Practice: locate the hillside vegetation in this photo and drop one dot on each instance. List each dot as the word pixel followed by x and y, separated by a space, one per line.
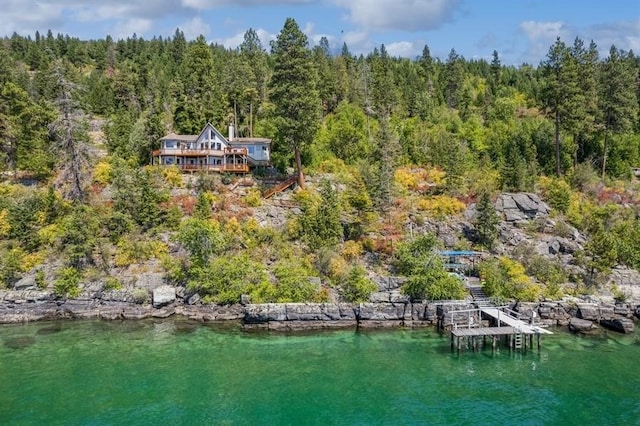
pixel 402 157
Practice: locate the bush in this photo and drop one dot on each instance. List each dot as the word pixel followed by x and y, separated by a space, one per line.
pixel 506 279
pixel 557 193
pixel 112 283
pixel 357 287
pixel 441 206
pixel 293 283
pixel 351 250
pixel 412 256
pixel 67 283
pixel 102 173
pixel 227 278
pixel 253 198
pixel 434 283
pixel 140 296
pixel 41 280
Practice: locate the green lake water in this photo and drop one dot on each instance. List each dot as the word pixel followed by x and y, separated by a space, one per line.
pixel 179 373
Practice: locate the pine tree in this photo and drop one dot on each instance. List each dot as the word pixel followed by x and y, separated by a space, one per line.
pixel 486 221
pixel 562 94
pixel 454 79
pixel 199 101
pixel 618 103
pixel 293 92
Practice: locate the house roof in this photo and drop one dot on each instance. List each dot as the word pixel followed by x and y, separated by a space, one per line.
pixel 236 141
pixel 239 141
pixel 182 138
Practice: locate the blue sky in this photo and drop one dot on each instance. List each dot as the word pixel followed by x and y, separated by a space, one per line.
pixel 520 30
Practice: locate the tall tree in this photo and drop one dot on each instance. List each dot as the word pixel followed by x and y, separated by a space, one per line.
pixel 454 79
pixel 584 123
pixel 198 100
pixel 618 103
pixel 293 92
pixel 561 94
pixel 70 133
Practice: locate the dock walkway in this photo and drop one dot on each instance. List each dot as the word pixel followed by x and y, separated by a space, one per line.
pixel 517 324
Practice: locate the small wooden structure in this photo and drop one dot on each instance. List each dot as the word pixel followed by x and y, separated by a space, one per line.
pixel 291 180
pixel 504 324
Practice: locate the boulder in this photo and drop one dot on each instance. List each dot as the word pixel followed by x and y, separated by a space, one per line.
pixel 578 325
pixel 588 312
pixel 622 325
pixel 163 295
pixel 28 282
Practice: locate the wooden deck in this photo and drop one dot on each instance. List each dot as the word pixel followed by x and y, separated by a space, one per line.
pixel 467 328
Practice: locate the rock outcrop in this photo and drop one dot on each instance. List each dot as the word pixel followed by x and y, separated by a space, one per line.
pixel 163 295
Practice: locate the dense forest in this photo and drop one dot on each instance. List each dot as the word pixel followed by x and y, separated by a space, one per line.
pixel 395 140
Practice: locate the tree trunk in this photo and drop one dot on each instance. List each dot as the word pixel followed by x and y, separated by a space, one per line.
pixel 299 167
pixel 557 142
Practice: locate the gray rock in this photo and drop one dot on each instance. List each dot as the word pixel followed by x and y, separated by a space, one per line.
pixel 622 325
pixel 151 280
pixel 554 246
pixel 194 299
pixel 28 282
pixel 588 312
pixel 526 203
pixel 578 325
pixel 163 295
pixel 513 215
pixel 379 297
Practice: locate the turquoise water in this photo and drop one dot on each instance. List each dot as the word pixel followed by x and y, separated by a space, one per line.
pixel 175 372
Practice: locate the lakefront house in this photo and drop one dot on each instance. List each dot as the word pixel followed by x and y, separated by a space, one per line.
pixel 211 151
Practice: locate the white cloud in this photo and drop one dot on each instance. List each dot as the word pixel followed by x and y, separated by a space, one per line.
pixel 127 28
pixel 28 16
pixel 404 49
pixel 540 36
pixel 195 27
pixel 547 31
pixel 623 34
pixel 405 15
pixel 237 39
pixel 211 4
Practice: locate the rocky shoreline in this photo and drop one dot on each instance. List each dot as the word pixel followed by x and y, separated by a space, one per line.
pixel 31 305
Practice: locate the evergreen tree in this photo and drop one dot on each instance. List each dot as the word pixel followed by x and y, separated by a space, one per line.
pixel 198 100
pixel 486 220
pixel 617 101
pixel 293 92
pixel 70 131
pixel 454 75
pixel 562 93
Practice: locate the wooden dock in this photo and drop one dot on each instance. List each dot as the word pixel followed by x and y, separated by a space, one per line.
pixel 504 325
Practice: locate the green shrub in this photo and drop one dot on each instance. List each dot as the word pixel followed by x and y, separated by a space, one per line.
pixel 112 283
pixel 67 283
pixel 357 287
pixel 507 279
pixel 227 278
pixel 140 296
pixel 293 283
pixel 557 193
pixel 40 279
pixel 253 198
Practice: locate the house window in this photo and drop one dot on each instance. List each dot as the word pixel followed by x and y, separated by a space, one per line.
pixel 251 149
pixel 170 144
pixel 168 160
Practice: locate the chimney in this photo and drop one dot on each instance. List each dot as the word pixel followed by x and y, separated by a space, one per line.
pixel 231 135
